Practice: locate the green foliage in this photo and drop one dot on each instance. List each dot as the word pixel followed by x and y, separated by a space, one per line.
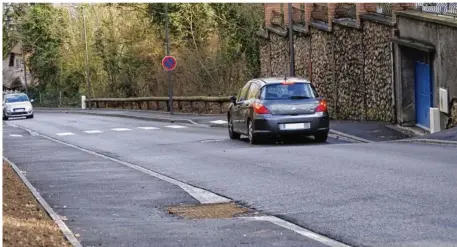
pixel 215 45
pixel 39 35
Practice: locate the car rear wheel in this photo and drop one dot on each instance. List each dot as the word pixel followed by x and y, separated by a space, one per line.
pixel 253 139
pixel 321 136
pixel 232 134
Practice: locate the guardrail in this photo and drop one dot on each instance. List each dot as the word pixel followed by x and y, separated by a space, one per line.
pixel 147 103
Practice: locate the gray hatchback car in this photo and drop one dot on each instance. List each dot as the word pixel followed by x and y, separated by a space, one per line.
pixel 274 107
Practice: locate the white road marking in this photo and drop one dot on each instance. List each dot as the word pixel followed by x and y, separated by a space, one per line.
pixel 121 129
pixel 176 126
pixel 15 135
pixel 93 131
pixel 148 128
pixel 65 134
pixel 219 122
pixel 298 229
pixel 205 196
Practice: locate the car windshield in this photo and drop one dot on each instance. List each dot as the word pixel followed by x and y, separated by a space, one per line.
pixel 288 91
pixel 16 98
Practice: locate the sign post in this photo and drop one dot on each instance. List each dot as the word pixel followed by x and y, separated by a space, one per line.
pixel 169 64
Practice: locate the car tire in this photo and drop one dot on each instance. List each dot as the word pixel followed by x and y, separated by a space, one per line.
pixel 232 134
pixel 321 136
pixel 31 116
pixel 5 118
pixel 253 139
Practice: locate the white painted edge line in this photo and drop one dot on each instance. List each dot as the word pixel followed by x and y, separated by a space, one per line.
pixel 120 129
pixel 148 128
pixel 349 136
pixel 203 196
pixel 63 227
pixel 15 135
pixel 298 229
pixel 176 126
pixel 93 131
pixel 65 134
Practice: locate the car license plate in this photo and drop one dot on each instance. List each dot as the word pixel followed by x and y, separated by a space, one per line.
pixel 296 126
pixel 19 109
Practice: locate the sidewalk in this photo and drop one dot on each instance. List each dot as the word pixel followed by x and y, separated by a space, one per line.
pixel 355 130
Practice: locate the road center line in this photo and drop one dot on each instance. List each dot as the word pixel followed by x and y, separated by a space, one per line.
pixel 219 122
pixel 120 129
pixel 148 128
pixel 176 126
pixel 93 131
pixel 65 134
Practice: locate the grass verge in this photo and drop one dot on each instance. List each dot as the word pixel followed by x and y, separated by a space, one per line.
pixel 25 222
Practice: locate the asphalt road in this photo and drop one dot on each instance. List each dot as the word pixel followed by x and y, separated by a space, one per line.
pixel 376 194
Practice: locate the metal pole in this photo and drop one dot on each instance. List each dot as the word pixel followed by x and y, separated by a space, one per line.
pixel 87 62
pixel 25 70
pixel 170 85
pixel 291 42
pixel 25 76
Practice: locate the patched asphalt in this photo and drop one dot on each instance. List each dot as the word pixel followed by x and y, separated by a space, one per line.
pixel 374 194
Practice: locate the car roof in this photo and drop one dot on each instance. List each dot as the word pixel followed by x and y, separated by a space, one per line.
pixel 275 80
pixel 15 94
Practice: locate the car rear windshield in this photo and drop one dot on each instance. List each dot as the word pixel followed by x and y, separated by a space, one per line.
pixel 288 91
pixel 16 98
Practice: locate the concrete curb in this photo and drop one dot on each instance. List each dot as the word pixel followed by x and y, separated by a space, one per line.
pixel 63 227
pixel 406 130
pixel 348 136
pixel 430 141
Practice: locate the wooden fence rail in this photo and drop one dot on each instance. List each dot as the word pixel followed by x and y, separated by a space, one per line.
pixel 145 102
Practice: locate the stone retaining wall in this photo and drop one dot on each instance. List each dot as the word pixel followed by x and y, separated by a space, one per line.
pixel 350 67
pixel 452 114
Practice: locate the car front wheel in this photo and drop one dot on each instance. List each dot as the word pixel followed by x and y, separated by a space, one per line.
pixel 253 139
pixel 232 134
pixel 31 116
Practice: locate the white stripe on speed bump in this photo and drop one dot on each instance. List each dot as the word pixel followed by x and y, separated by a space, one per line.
pixel 176 126
pixel 65 134
pixel 14 135
pixel 148 128
pixel 93 131
pixel 121 129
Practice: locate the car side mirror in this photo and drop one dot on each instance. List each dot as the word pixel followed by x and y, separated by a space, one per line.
pixel 31 101
pixel 233 99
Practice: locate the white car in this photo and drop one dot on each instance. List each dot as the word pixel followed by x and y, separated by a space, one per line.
pixel 17 105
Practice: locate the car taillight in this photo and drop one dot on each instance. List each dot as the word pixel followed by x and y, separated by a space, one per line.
pixel 322 107
pixel 260 109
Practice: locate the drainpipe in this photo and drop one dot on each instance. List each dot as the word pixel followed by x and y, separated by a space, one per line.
pixel 291 42
pixel 394 93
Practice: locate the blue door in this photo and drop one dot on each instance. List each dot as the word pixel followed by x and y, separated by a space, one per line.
pixel 423 93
